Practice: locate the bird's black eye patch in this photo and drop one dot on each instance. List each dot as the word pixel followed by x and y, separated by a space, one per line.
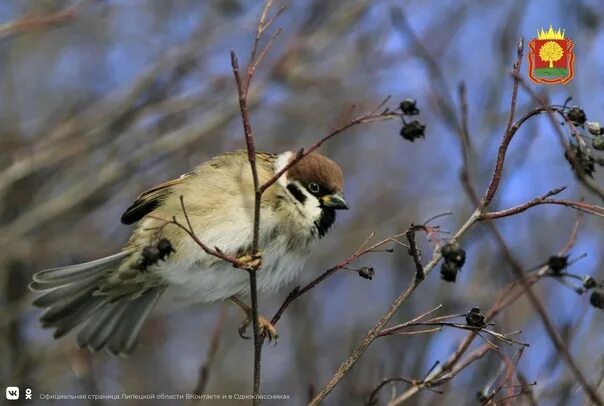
pixel 296 192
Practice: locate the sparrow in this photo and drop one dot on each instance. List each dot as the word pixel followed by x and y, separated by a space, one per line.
pixel 109 299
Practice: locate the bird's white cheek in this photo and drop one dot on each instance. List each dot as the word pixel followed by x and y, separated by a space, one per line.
pixel 312 207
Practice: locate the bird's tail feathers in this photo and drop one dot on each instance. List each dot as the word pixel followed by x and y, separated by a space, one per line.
pixel 107 322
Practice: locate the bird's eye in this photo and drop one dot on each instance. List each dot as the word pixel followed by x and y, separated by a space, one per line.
pixel 313 187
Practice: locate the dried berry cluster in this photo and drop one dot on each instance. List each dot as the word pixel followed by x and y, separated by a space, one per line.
pixel 411 130
pixel 557 265
pixel 596 299
pixel 583 155
pixel 154 253
pixel 454 259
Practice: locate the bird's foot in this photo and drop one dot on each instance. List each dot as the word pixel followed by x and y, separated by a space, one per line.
pixel 252 260
pixel 267 330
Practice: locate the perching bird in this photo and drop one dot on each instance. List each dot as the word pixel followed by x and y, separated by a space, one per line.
pixel 109 299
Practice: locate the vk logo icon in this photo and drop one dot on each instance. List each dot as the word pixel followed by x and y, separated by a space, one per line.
pixel 12 393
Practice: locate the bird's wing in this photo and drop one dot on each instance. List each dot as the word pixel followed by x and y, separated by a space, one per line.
pixel 150 200
pixel 226 164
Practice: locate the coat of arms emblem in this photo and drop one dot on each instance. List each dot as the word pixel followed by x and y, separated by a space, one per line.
pixel 551 57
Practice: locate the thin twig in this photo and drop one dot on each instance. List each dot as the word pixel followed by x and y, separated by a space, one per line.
pixel 369 117
pixel 430 382
pixel 508 133
pixel 216 252
pixel 204 371
pixel 437 323
pixel 372 397
pixel 511 368
pixel 297 292
pixel 475 355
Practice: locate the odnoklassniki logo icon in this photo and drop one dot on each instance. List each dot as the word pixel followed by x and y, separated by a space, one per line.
pixel 551 58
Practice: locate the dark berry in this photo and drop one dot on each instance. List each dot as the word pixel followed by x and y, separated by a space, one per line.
pixel 557 263
pixel 448 271
pixel 409 107
pixel 576 115
pixel 413 130
pixel 597 299
pixel 366 272
pixel 474 318
pixel 452 252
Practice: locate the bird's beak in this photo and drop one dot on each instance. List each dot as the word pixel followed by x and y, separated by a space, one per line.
pixel 335 201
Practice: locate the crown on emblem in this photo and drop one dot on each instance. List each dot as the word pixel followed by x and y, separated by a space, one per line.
pixel 550 34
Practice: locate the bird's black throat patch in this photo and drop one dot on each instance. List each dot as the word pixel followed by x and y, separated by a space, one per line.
pixel 327 217
pixel 325 221
pixel 296 192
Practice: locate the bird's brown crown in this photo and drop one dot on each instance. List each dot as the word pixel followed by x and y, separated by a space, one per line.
pixel 317 168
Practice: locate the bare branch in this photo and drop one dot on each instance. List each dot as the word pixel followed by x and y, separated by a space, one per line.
pixel 508 133
pixel 242 90
pixel 39 22
pixel 579 206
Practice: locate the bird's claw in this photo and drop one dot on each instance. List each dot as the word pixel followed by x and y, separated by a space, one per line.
pixel 253 261
pixel 267 330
